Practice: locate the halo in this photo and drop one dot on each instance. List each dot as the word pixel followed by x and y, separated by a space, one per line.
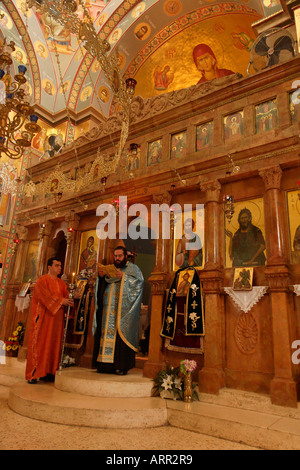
pixel 253 207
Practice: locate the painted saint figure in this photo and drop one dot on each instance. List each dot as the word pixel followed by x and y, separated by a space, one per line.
pixel 162 77
pixel 247 245
pixel 206 62
pixel 296 243
pixel 184 286
pixel 88 257
pixel 189 247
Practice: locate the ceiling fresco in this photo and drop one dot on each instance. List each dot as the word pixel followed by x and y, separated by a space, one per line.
pixel 155 40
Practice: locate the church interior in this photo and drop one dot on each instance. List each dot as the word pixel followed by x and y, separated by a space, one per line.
pixel 141 112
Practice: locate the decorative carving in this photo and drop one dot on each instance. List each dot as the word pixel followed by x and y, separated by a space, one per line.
pixel 278 278
pixel 72 219
pixel 212 281
pixel 271 177
pixel 246 333
pixel 146 108
pixel 22 232
pixel 212 190
pixel 159 283
pixel 163 198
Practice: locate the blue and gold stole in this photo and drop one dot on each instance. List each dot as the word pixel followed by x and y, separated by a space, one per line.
pixel 194 313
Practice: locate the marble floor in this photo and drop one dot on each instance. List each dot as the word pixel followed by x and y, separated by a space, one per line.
pixel 21 433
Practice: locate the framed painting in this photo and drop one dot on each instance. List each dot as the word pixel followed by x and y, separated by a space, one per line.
pixel 32 259
pixel 184 282
pixel 234 126
pixel 294 99
pixel 245 235
pixel 24 289
pixel 133 160
pixel 154 153
pixel 178 145
pixel 243 279
pixel 188 239
pixel 266 117
pixel 88 251
pixel 204 135
pixel 293 203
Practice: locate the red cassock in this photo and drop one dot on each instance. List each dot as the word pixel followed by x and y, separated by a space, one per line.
pixel 46 328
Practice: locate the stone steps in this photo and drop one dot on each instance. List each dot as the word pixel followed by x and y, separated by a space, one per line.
pixel 46 403
pixel 82 397
pixel 89 382
pixel 254 428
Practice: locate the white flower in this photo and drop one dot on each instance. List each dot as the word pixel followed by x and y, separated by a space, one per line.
pixel 167 383
pixel 178 383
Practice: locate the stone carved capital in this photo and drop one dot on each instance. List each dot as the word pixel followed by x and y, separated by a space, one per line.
pixel 212 280
pixel 212 189
pixel 162 198
pixel 22 232
pixel 278 277
pixel 72 219
pixel 271 177
pixel 159 283
pixel 45 229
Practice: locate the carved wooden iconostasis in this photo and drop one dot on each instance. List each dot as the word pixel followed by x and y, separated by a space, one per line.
pixel 191 136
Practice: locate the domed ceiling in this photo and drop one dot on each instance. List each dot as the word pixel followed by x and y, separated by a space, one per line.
pixel 155 39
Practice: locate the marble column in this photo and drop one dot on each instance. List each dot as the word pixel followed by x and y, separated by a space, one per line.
pixel 159 282
pixel 212 375
pixel 284 388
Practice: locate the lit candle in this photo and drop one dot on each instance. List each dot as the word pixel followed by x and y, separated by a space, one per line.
pixel 73 278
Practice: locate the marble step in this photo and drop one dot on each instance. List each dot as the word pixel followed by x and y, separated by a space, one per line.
pixel 11 372
pixel 89 382
pixel 45 402
pixel 265 430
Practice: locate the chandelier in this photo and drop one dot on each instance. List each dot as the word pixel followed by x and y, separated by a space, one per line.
pixel 64 13
pixel 17 119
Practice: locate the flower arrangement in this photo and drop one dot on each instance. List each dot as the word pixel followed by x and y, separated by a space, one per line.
pixel 187 366
pixel 68 361
pixel 16 340
pixel 169 383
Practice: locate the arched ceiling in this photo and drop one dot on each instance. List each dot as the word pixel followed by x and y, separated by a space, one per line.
pixel 155 39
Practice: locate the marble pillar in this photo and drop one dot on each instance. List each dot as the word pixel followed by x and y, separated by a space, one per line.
pixel 158 280
pixel 212 375
pixel 284 388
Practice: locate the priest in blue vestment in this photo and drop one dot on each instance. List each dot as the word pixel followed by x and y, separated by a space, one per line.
pixel 117 314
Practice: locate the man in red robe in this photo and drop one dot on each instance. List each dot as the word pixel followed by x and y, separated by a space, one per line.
pixel 50 296
pixel 205 61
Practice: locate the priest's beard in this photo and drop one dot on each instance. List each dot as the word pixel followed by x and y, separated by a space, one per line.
pixel 120 264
